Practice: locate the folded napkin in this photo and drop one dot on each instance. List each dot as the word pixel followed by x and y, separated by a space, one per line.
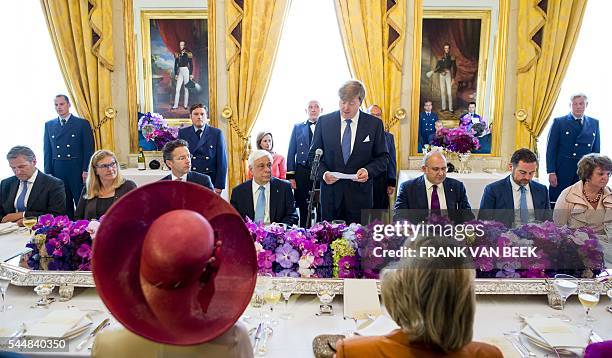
pixel 60 324
pixel 379 327
pixel 503 344
pixel 553 332
pixel 6 228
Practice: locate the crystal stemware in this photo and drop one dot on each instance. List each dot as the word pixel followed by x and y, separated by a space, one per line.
pixel 588 294
pixel 287 285
pixel 5 280
pixel 29 222
pixel 44 290
pixel 326 293
pixel 565 285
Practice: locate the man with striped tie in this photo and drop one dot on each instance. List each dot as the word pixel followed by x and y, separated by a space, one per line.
pixel 264 198
pixel 29 192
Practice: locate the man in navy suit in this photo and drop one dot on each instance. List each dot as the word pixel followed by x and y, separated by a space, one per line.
pixel 178 159
pixel 68 147
pixel 570 138
pixel 298 171
pixel 427 124
pixel 432 193
pixel 353 142
pixel 385 183
pixel 207 147
pixel 29 192
pixel 516 198
pixel 264 198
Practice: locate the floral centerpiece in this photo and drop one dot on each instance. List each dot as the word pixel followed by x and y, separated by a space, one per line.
pixel 460 141
pixel 154 128
pixel 61 244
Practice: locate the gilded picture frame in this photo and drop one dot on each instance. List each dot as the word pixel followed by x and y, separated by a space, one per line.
pixel 479 79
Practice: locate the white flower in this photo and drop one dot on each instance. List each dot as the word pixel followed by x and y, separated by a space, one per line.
pixel 92 228
pixel 580 237
pixel 258 247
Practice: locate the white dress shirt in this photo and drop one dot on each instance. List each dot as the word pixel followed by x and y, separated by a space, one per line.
pixel 516 196
pixel 354 122
pixel 429 190
pixel 66 119
pixel 256 196
pixel 20 189
pixel 183 178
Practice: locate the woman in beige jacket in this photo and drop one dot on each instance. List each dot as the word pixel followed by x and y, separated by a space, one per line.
pixel 589 201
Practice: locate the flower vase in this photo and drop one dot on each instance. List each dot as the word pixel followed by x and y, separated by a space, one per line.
pixel 463 163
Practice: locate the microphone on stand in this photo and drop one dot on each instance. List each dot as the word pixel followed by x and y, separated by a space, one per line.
pixel 315 164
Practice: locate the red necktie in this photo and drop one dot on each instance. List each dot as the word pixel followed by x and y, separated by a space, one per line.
pixel 435 201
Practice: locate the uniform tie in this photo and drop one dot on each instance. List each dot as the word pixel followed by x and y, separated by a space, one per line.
pixel 435 201
pixel 21 199
pixel 346 141
pixel 199 133
pixel 523 205
pixel 63 121
pixel 260 208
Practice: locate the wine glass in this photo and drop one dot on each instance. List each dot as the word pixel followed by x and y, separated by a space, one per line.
pixel 287 285
pixel 326 293
pixel 272 297
pixel 29 222
pixel 588 294
pixel 5 280
pixel 261 285
pixel 565 285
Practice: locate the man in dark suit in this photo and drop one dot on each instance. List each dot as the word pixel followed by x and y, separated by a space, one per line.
pixel 432 193
pixel 30 192
pixel 385 183
pixel 570 138
pixel 353 142
pixel 516 198
pixel 427 124
pixel 264 198
pixel 68 147
pixel 298 171
pixel 178 159
pixel 207 147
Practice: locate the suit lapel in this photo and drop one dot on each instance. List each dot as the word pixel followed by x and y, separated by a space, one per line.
pixel 422 193
pixel 274 198
pixel 361 133
pixel 250 205
pixel 202 139
pixel 449 195
pixel 508 193
pixel 36 190
pixel 13 193
pixel 335 129
pixel 66 128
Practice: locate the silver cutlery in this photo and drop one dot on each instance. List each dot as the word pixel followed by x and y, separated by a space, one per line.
pixel 516 345
pixel 100 327
pixel 20 332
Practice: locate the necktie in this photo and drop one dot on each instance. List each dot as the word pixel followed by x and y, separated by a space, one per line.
pixel 310 124
pixel 199 133
pixel 63 121
pixel 260 208
pixel 346 141
pixel 21 199
pixel 579 120
pixel 435 201
pixel 523 205
pixel 178 179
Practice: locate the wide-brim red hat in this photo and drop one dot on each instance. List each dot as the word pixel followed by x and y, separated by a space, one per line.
pixel 180 314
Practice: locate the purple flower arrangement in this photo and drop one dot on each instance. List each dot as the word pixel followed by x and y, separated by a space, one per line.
pixel 155 128
pixel 460 141
pixel 60 244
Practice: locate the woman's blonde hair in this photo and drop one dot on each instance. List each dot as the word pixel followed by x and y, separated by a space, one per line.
pixel 433 305
pixel 93 183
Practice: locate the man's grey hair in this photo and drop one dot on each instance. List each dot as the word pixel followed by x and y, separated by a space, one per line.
pixel 352 89
pixel 21 150
pixel 579 94
pixel 431 154
pixel 256 154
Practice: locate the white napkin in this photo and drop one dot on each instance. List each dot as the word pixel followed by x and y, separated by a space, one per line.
pixel 553 332
pixel 380 326
pixel 360 298
pixel 6 228
pixel 60 324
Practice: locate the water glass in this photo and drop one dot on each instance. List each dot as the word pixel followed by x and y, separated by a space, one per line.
pixel 44 290
pixel 272 296
pixel 5 280
pixel 287 285
pixel 565 285
pixel 261 286
pixel 326 293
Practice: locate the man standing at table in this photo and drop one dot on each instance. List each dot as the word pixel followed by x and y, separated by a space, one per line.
pixel 207 146
pixel 68 147
pixel 29 192
pixel 516 198
pixel 298 171
pixel 178 159
pixel 385 183
pixel 353 142
pixel 432 194
pixel 570 138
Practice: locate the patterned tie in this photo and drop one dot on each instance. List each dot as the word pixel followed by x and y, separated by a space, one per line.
pixel 63 121
pixel 21 199
pixel 199 133
pixel 260 208
pixel 523 205
pixel 346 141
pixel 435 201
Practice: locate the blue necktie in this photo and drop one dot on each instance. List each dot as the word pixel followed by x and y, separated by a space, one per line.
pixel 260 208
pixel 523 205
pixel 21 199
pixel 346 141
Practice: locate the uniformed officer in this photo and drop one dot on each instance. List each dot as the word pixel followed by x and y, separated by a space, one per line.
pixel 207 147
pixel 427 121
pixel 446 68
pixel 298 171
pixel 183 73
pixel 385 183
pixel 570 138
pixel 68 147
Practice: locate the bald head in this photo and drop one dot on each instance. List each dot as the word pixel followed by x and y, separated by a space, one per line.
pixel 434 167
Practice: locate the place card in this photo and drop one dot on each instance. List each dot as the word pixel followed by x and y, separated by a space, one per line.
pixel 361 299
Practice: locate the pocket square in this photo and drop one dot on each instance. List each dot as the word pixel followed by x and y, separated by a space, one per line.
pixel 367 139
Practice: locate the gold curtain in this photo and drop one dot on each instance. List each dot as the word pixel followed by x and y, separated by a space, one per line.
pixel 373 34
pixel 542 67
pixel 253 33
pixel 82 36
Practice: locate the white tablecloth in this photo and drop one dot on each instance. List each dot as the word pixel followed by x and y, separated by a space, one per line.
pixel 13 244
pixel 142 177
pixel 474 182
pixel 494 316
